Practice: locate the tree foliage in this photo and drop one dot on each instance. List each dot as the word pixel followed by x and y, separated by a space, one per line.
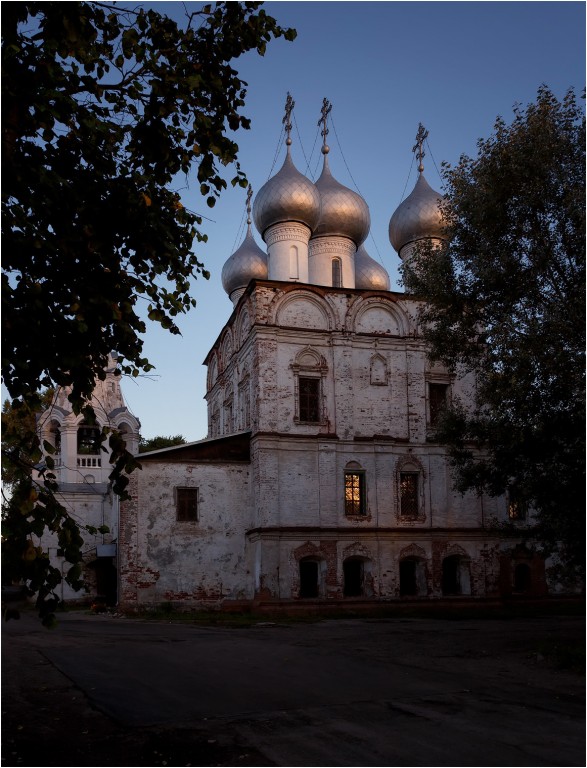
pixel 107 111
pixel 102 109
pixel 506 299
pixel 159 441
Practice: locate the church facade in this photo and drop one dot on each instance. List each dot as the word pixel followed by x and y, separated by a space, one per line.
pixel 82 469
pixel 321 478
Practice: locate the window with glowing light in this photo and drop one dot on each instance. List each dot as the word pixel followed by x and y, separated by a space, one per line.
pixel 354 493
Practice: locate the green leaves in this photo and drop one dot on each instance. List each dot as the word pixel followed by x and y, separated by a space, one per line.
pixel 103 95
pixel 505 299
pixel 102 108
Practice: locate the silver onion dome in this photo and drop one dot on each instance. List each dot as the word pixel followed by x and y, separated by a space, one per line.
pixel 247 263
pixel 418 217
pixel 369 275
pixel 287 196
pixel 343 213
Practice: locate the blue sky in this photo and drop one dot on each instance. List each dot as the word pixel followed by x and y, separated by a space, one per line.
pixel 385 67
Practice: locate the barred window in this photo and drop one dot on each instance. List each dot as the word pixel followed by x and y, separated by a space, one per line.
pixel 309 394
pixel 409 494
pixel 186 504
pixel 354 493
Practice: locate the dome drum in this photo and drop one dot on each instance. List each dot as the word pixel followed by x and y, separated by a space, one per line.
pixel 332 262
pixel 288 252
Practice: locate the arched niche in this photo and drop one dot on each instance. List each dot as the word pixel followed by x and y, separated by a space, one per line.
pixel 212 371
pixel 226 348
pixel 378 372
pixel 302 310
pixel 243 327
pixel 377 316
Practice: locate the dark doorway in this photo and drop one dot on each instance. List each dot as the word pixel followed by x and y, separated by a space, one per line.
pixel 353 578
pixel 308 578
pixel 451 581
pixel 522 578
pixel 106 586
pixel 408 584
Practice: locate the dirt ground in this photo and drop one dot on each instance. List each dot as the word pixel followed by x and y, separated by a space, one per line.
pixel 443 674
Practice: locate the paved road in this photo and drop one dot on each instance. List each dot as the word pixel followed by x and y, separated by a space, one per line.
pixel 388 692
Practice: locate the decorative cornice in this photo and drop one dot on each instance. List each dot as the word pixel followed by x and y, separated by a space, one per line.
pixel 339 246
pixel 291 231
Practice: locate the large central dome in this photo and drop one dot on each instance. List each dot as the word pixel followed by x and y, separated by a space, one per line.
pixel 288 196
pixel 343 213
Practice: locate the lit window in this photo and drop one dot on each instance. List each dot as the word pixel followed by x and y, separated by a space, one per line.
pixel 186 504
pixel 408 494
pixel 517 507
pixel 309 399
pixel 354 493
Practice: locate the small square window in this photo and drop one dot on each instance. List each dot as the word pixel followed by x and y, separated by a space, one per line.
pixel 309 399
pixel 409 494
pixel 354 493
pixel 186 504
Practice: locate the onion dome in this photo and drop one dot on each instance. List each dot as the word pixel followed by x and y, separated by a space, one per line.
pixel 287 196
pixel 247 263
pixel 343 213
pixel 418 217
pixel 369 275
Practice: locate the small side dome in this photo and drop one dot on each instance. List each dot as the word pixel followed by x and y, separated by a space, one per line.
pixel 343 213
pixel 287 196
pixel 418 217
pixel 369 275
pixel 247 263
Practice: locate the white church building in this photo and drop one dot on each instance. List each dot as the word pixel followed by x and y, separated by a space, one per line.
pixel 321 479
pixel 82 469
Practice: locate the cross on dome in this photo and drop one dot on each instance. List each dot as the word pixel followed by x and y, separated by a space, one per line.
pixel 421 137
pixel 326 109
pixel 289 105
pixel 249 197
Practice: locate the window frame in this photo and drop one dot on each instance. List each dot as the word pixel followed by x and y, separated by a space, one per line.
pixel 336 272
pixel 180 492
pixel 318 397
pixel 361 489
pixel 416 494
pixel 434 412
pixel 517 508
